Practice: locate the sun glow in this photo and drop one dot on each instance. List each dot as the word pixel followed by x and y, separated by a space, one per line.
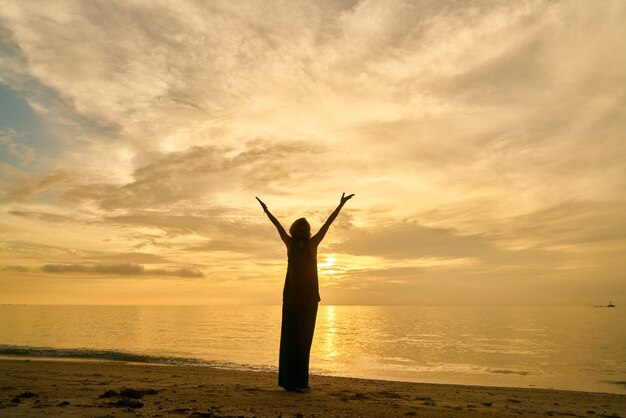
pixel 327 267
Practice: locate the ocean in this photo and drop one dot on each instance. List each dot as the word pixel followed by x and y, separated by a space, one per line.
pixel 573 348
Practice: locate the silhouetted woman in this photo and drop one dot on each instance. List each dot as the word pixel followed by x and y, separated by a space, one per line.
pixel 300 298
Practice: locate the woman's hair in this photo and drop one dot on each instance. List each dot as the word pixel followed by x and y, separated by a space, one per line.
pixel 300 229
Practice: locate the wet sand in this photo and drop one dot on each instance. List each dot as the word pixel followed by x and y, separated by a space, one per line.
pixel 49 388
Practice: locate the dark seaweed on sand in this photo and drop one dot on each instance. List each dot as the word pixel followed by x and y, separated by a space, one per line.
pixel 126 403
pixel 128 393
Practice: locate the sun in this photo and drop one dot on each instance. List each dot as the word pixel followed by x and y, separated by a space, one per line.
pixel 327 266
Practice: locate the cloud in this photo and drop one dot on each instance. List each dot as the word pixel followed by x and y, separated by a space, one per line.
pixel 42 216
pixel 19 186
pixel 194 174
pixel 127 269
pixel 218 230
pixel 8 135
pixel 16 269
pixel 408 251
pixel 183 272
pixel 24 153
pixel 408 239
pixel 130 257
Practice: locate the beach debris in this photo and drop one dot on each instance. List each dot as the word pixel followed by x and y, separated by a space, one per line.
pixel 137 393
pixel 109 394
pixel 24 395
pixel 487 403
pixel 27 395
pixel 128 393
pixel 126 403
pixel 388 394
pixel 210 414
pixel 425 400
pixel 178 410
pixel 128 397
pixel 64 403
pixel 202 414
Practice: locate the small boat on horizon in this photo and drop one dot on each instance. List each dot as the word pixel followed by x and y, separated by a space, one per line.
pixel 610 305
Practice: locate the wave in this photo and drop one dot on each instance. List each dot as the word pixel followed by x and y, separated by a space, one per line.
pixel 84 353
pixel 517 372
pixel 114 355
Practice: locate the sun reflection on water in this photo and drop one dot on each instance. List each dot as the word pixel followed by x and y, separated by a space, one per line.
pixel 328 348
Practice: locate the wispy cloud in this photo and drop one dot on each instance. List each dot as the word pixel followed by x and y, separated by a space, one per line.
pixel 41 216
pixel 121 270
pixel 18 185
pixel 197 173
pixel 9 140
pixel 16 269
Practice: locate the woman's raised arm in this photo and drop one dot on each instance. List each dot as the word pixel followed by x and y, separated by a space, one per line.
pixel 317 238
pixel 281 231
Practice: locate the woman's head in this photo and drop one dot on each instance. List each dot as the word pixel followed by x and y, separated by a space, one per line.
pixel 300 229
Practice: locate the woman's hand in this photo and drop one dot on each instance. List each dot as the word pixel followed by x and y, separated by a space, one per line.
pixel 344 198
pixel 281 231
pixel 263 205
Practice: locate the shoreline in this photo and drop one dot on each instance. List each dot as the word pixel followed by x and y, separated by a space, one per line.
pixel 52 387
pixel 123 358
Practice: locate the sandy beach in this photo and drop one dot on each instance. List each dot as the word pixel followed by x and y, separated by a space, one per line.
pixel 45 388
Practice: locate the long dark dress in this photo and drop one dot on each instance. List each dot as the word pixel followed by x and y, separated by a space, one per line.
pixel 300 299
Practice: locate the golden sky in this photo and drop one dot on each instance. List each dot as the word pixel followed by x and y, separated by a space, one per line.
pixel 485 142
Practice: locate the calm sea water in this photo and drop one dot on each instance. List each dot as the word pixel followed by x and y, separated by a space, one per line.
pixel 564 348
